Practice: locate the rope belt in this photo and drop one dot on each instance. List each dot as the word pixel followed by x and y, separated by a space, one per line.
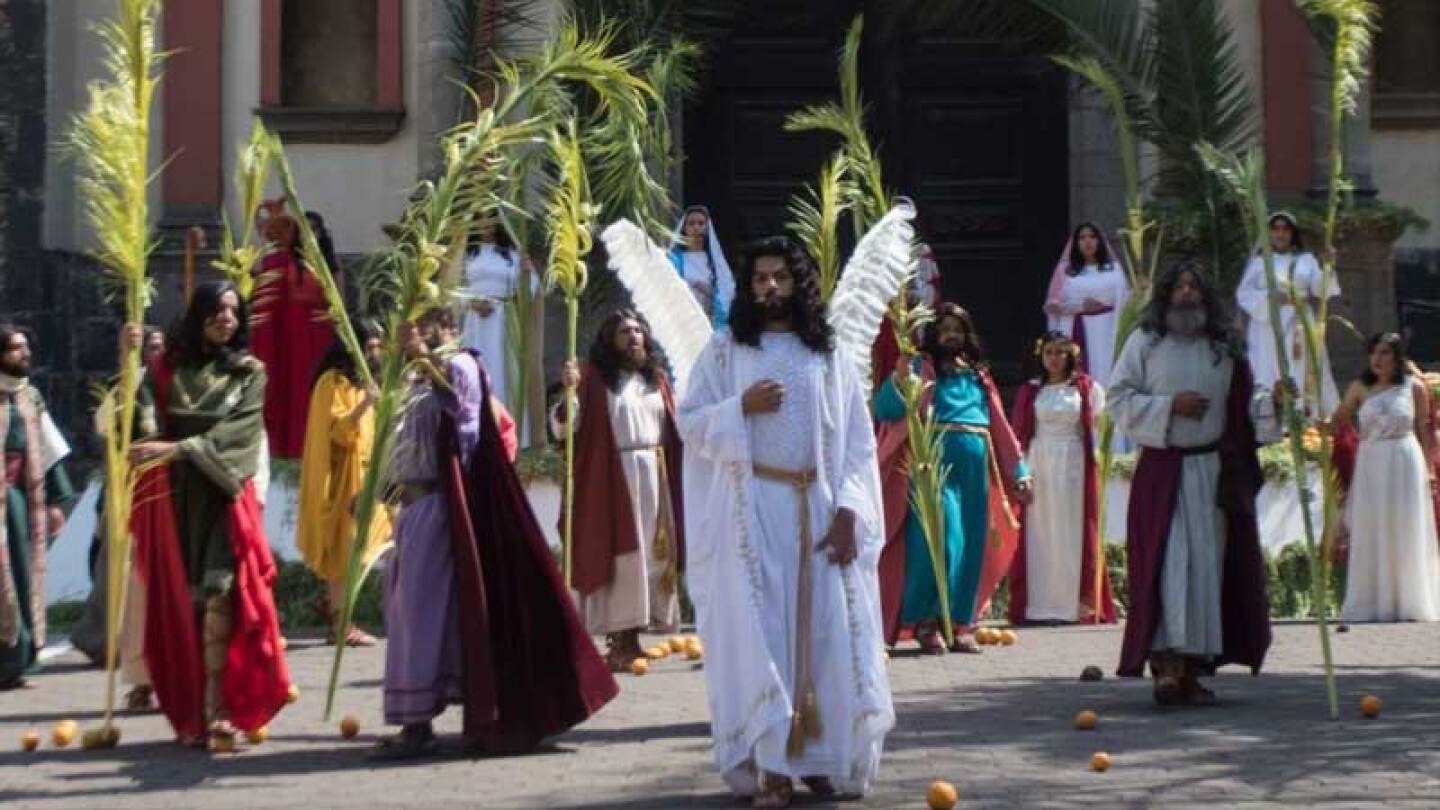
pixel 996 481
pixel 665 551
pixel 641 448
pixel 805 717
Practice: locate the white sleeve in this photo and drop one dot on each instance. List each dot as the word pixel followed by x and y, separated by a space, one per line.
pixel 1253 295
pixel 710 419
pixel 1137 413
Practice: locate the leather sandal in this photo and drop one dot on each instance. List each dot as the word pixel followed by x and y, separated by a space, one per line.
pixel 775 791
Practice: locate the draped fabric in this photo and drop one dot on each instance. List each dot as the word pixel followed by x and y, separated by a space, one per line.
pixel 290 333
pixel 1024 422
pixel 530 670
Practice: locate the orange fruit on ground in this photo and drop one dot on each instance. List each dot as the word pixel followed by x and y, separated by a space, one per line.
pixel 1099 762
pixel 222 744
pixel 657 652
pixel 64 733
pixel 257 736
pixel 1008 637
pixel 1085 721
pixel 677 644
pixel 349 726
pixel 694 650
pixel 639 666
pixel 292 695
pixel 942 795
pixel 1370 706
pixel 30 740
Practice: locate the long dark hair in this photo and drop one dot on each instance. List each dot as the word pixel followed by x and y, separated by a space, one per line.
pixel 972 351
pixel 1397 348
pixel 503 242
pixel 186 343
pixel 1297 245
pixel 1077 259
pixel 807 309
pixel 323 239
pixel 704 243
pixel 606 360
pixel 338 356
pixel 1220 337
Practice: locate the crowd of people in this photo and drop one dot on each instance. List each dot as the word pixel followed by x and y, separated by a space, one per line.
pixel 771 487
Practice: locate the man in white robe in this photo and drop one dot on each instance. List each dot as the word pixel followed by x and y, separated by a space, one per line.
pixel 1182 391
pixel 782 509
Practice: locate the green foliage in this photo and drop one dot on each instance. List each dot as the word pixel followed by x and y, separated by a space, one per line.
pixel 299 595
pixel 815 221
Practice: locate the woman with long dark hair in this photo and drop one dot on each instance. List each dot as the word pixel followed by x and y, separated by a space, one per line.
pixel 494 270
pixel 1088 289
pixel 212 636
pixel 700 261
pixel 1394 565
pixel 1053 576
pixel 986 472
pixel 339 437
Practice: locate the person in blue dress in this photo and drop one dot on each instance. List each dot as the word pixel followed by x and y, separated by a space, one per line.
pixel 986 472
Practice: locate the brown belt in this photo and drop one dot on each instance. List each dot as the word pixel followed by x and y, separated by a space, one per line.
pixel 805 717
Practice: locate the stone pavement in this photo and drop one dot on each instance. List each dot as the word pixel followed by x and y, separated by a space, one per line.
pixel 997 725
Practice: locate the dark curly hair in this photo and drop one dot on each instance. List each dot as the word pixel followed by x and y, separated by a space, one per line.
pixel 1102 253
pixel 606 359
pixel 1072 355
pixel 972 352
pixel 338 357
pixel 807 309
pixel 1397 348
pixel 1217 331
pixel 186 345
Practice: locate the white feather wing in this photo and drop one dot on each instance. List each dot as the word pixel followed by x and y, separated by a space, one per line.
pixel 676 320
pixel 877 271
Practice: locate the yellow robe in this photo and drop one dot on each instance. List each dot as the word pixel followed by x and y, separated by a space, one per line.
pixel 337 449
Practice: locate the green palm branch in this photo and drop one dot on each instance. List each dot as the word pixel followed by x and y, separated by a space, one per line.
pixel 1244 177
pixel 110 141
pixel 238 257
pixel 815 221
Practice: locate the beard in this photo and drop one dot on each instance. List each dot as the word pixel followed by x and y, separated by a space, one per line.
pixel 20 370
pixel 633 358
pixel 777 308
pixel 1188 320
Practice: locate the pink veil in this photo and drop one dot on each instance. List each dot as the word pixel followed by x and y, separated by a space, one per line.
pixel 1055 294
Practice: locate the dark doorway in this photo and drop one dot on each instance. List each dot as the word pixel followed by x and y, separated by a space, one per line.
pixel 973 129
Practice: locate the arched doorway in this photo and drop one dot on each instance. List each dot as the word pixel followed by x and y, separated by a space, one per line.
pixel 975 130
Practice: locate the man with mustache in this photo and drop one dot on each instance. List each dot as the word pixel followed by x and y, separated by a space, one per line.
pixel 628 540
pixel 33 494
pixel 1182 390
pixel 987 474
pixel 784 527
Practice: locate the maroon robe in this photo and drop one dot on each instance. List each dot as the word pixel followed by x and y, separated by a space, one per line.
pixel 530 670
pixel 1023 420
pixel 604 515
pixel 1244 605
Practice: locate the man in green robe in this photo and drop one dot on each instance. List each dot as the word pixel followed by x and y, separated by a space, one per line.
pixel 36 491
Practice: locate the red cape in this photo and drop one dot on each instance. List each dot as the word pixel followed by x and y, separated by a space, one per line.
pixel 604 516
pixel 256 681
pixel 1244 606
pixel 1023 420
pixel 530 669
pixel 290 334
pixel 893 443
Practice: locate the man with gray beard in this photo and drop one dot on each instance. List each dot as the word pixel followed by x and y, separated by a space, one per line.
pixel 1182 390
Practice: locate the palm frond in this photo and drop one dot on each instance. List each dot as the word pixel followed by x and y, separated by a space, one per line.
pixel 570 213
pixel 815 219
pixel 1117 33
pixel 1353 25
pixel 252 171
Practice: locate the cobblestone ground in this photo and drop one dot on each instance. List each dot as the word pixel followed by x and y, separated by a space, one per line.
pixel 997 725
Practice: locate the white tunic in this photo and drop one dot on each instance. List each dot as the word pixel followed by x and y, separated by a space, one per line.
pixel 639 595
pixel 743 562
pixel 1148 375
pixel 1110 288
pixel 490 276
pixel 1252 297
pixel 1394 569
pixel 707 284
pixel 1055 521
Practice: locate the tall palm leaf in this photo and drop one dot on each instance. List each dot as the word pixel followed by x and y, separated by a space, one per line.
pixel 815 221
pixel 110 142
pixel 238 256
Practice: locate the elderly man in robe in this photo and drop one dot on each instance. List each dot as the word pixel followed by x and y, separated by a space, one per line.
pixel 1182 390
pixel 784 527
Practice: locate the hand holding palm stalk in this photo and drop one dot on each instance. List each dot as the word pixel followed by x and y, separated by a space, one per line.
pixel 571 216
pixel 110 141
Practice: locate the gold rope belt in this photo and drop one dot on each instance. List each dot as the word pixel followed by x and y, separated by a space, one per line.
pixel 805 717
pixel 995 479
pixel 665 529
pixel 640 448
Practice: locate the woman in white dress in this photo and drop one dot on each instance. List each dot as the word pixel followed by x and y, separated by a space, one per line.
pixel 1088 290
pixel 492 276
pixel 699 259
pixel 1293 265
pixel 1052 578
pixel 1394 561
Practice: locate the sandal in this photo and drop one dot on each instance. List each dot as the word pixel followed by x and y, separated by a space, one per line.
pixel 927 635
pixel 819 785
pixel 405 744
pixel 965 643
pixel 140 700
pixel 775 791
pixel 1167 671
pixel 359 638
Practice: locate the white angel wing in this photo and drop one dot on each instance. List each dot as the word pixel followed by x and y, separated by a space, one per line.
pixel 878 269
pixel 677 321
